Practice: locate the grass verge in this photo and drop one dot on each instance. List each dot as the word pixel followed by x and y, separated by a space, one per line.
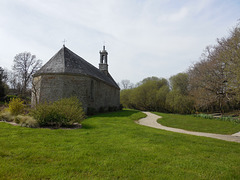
pixel 199 124
pixel 112 146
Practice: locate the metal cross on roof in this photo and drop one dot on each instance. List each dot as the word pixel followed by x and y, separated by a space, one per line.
pixel 64 41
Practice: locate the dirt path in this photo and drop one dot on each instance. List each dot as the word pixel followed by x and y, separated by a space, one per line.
pixel 151 121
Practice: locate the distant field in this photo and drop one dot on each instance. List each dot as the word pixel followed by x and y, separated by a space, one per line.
pixel 112 146
pixel 189 122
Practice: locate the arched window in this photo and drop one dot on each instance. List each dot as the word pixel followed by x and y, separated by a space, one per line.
pixel 103 58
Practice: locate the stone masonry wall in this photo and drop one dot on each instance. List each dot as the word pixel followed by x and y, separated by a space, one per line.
pixel 104 96
pixel 91 92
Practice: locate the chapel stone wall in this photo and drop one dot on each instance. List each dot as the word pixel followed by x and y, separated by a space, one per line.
pixel 93 93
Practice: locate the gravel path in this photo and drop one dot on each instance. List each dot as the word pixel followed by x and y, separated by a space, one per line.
pixel 151 121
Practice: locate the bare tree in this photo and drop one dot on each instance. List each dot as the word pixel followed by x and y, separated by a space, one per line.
pixel 125 84
pixel 230 54
pixel 12 79
pixel 25 65
pixel 208 80
pixel 35 91
pixel 131 86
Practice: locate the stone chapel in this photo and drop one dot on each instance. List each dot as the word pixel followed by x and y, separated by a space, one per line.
pixel 66 74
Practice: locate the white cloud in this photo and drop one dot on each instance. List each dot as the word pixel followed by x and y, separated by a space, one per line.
pixel 143 37
pixel 176 16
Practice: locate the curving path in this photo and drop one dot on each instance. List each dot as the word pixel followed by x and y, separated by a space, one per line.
pixel 151 121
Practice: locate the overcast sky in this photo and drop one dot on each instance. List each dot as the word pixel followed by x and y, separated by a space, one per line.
pixel 143 37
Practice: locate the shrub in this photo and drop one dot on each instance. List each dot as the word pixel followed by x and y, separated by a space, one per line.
pixel 120 107
pixel 6 116
pixel 26 121
pixel 206 116
pixel 222 118
pixel 64 112
pixel 230 119
pixel 71 109
pixel 16 106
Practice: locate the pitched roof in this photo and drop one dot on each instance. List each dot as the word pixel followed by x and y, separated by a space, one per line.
pixel 67 62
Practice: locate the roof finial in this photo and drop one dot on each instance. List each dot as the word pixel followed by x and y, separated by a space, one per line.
pixel 103 45
pixel 64 41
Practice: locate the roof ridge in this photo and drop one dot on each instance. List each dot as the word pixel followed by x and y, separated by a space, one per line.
pixel 64 61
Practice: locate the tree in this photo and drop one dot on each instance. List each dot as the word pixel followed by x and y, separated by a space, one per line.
pixel 125 98
pixel 35 91
pixel 126 84
pixel 25 65
pixel 3 83
pixel 208 81
pixel 150 94
pixel 230 53
pixel 178 99
pixel 2 88
pixel 180 83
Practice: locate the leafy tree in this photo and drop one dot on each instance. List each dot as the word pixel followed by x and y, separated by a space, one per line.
pixel 178 100
pixel 161 98
pixel 179 103
pixel 149 95
pixel 180 82
pixel 125 98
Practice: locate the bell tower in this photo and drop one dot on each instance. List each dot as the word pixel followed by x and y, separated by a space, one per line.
pixel 103 65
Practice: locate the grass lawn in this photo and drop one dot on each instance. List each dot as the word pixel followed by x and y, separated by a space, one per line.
pixel 191 123
pixel 112 146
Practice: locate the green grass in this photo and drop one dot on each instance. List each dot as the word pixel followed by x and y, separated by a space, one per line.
pixel 199 124
pixel 112 146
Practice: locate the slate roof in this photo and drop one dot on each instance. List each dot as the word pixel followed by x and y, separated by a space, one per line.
pixel 67 62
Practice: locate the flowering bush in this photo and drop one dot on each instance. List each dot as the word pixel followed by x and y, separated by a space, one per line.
pixel 16 106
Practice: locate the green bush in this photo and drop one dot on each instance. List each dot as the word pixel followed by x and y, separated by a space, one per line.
pixel 206 116
pixel 230 119
pixel 64 112
pixel 16 106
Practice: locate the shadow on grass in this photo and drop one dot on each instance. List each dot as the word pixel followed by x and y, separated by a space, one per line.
pixel 87 126
pixel 122 113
